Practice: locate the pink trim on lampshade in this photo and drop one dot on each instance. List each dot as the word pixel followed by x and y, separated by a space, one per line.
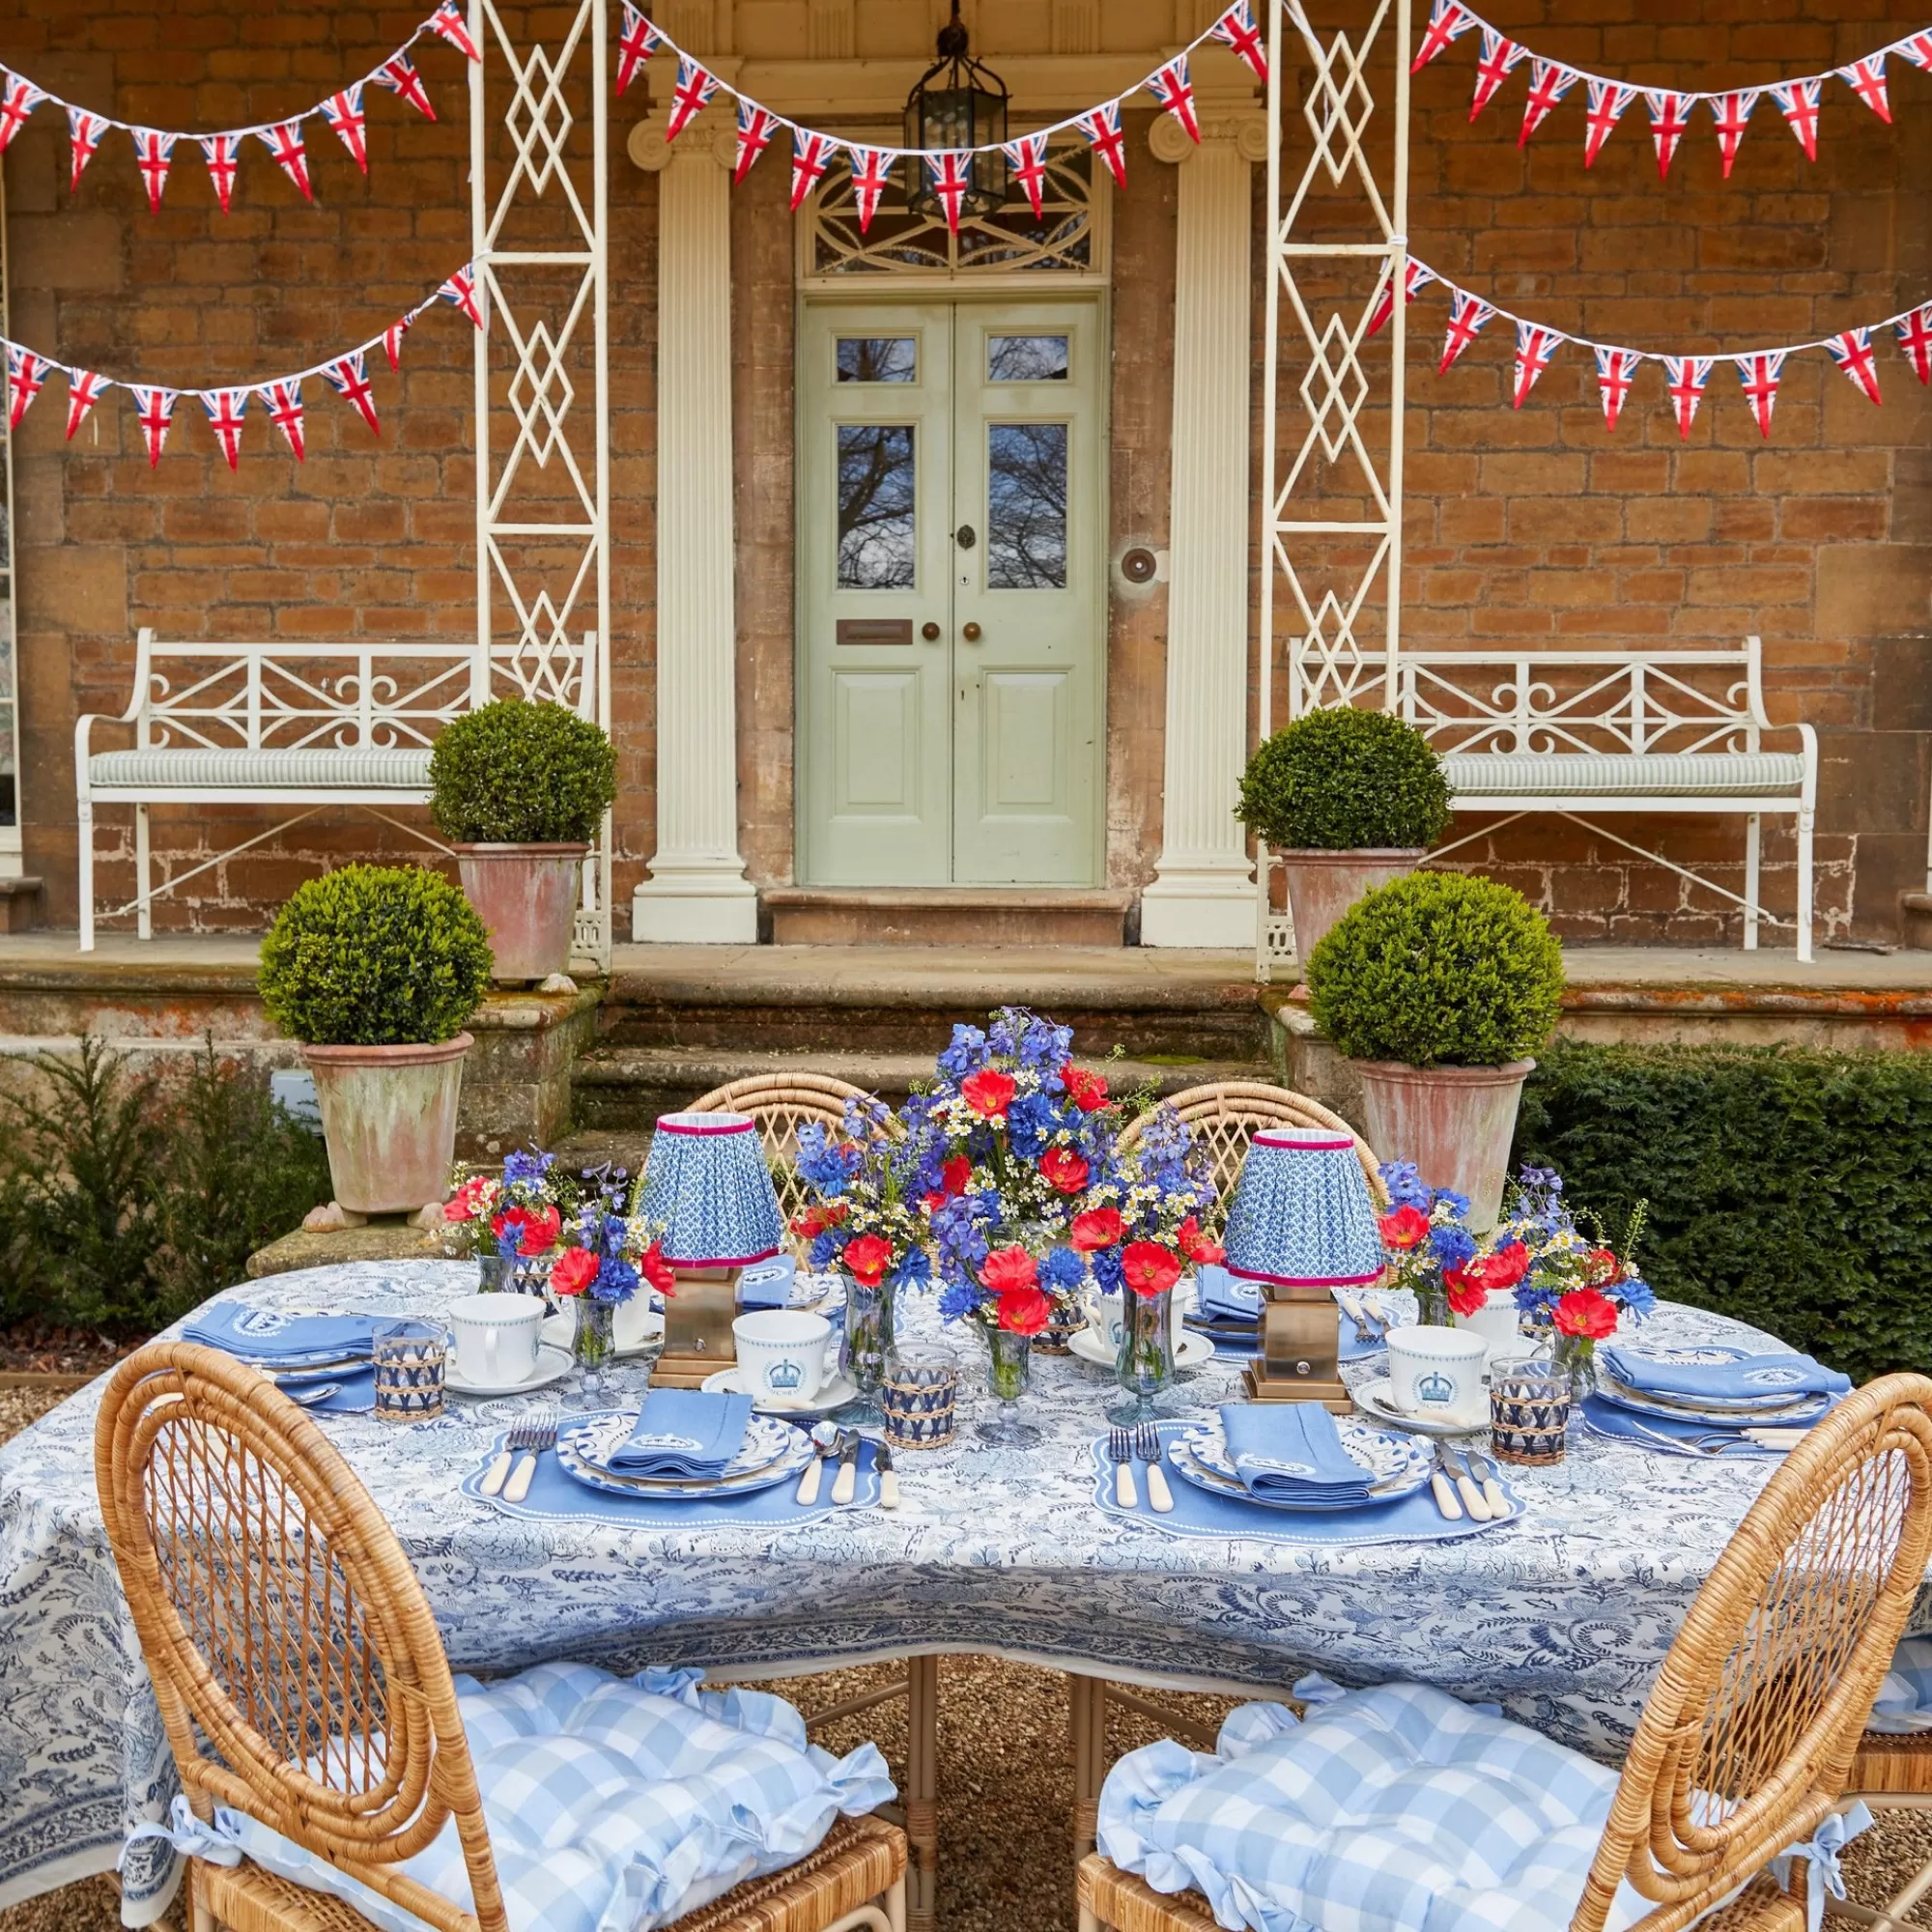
pixel 720 1260
pixel 1307 1280
pixel 1282 1140
pixel 745 1127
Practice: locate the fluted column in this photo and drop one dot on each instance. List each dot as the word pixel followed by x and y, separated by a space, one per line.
pixel 697 891
pixel 1202 892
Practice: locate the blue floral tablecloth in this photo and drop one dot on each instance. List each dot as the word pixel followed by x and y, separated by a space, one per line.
pixel 1563 1616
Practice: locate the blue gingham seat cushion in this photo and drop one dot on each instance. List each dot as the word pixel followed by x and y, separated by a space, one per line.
pixel 614 1804
pixel 1905 1698
pixel 1397 1809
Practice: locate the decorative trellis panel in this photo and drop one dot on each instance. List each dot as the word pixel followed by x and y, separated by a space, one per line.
pixel 540 229
pixel 1331 397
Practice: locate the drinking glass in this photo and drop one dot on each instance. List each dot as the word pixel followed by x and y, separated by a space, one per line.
pixel 408 1363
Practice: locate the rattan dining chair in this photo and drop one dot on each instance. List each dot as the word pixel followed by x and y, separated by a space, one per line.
pixel 302 1680
pixel 1746 1740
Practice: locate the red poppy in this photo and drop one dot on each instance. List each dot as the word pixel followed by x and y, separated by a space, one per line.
pixel 1087 1090
pixel 954 1176
pixel 1006 1269
pixel 810 1222
pixel 1506 1265
pixel 1407 1228
pixel 537 1228
pixel 1467 1291
pixel 1586 1313
pixel 989 1093
pixel 1024 1310
pixel 573 1272
pixel 1149 1268
pixel 1604 1270
pixel 468 1201
pixel 1195 1245
pixel 866 1258
pixel 658 1271
pixel 1063 1170
pixel 1097 1228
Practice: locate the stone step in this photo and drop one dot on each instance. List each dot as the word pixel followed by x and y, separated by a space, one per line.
pixel 946 916
pixel 23 904
pixel 1914 914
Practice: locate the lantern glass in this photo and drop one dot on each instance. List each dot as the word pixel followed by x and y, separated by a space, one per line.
pixel 966 108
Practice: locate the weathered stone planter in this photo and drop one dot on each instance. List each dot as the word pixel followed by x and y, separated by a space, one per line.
pixel 1321 886
pixel 1454 1122
pixel 389 1113
pixel 526 897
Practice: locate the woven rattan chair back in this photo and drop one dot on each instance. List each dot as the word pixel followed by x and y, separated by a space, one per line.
pixel 1747 1737
pixel 1226 1114
pixel 781 1103
pixel 297 1668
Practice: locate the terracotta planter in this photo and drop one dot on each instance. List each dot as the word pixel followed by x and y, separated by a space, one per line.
pixel 1454 1122
pixel 1321 886
pixel 389 1113
pixel 526 897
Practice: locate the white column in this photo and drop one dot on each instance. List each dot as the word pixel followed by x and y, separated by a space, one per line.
pixel 697 891
pixel 1202 892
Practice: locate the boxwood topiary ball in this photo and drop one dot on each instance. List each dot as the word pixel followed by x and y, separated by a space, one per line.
pixel 1343 779
pixel 1438 970
pixel 375 956
pixel 517 774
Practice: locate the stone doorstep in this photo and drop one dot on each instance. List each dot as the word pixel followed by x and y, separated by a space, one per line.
pixel 949 915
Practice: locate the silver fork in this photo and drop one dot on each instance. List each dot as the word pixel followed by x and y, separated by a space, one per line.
pixel 312 1395
pixel 542 1436
pixel 1121 1453
pixel 1146 1445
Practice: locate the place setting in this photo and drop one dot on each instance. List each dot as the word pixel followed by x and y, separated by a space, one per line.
pixel 321 1360
pixel 1712 1400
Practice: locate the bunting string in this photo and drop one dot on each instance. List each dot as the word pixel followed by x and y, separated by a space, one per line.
pixel 155 147
pixel 1671 110
pixel 1759 371
pixel 227 407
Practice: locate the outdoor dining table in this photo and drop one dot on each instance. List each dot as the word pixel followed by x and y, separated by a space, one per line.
pixel 1562 1614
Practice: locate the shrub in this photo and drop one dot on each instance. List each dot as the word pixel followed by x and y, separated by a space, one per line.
pixel 1437 970
pixel 517 774
pixel 1787 1187
pixel 375 957
pixel 1341 780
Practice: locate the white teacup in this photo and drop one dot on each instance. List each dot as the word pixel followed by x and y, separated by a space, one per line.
pixel 634 1321
pixel 1496 1321
pixel 1437 1372
pixel 496 1337
pixel 782 1352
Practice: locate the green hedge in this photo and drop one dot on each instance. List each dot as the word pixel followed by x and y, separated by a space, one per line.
pixel 1790 1189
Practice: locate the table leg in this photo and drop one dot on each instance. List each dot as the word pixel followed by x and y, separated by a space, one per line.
pixel 1087 1727
pixel 921 1799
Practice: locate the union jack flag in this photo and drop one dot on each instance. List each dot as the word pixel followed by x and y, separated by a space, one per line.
pixel 1867 79
pixel 1607 100
pixel 18 98
pixel 226 409
pixel 399 76
pixel 1171 87
pixel 343 113
pixel 153 150
pixel 872 170
pixel 811 156
pixel 1501 57
pixel 1731 111
pixel 1798 102
pixel 1669 123
pixel 950 173
pixel 1687 375
pixel 84 388
pixel 25 373
pixel 1917 49
pixel 347 377
pixel 1103 130
pixel 1852 352
pixel 691 97
pixel 756 128
pixel 449 21
pixel 1467 313
pixel 635 45
pixel 224 153
pixel 1414 279
pixel 1759 372
pixel 283 401
pixel 392 339
pixel 1548 82
pixel 84 133
pixel 1616 370
pixel 1915 337
pixel 1535 345
pixel 1235 28
pixel 156 408
pixel 1027 158
pixel 1448 21
pixel 284 143
pixel 461 290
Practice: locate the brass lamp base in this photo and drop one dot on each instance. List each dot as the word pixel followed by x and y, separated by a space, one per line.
pixel 1298 1359
pixel 697 1327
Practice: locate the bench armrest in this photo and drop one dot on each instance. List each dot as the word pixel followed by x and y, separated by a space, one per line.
pixel 83 725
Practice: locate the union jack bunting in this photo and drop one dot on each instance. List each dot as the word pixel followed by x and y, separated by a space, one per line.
pixel 1759 372
pixel 637 43
pixel 283 401
pixel 226 409
pixel 1171 87
pixel 461 292
pixel 1535 345
pixel 18 98
pixel 871 171
pixel 392 342
pixel 756 128
pixel 811 156
pixel 1616 370
pixel 1027 158
pixel 1915 337
pixel 156 408
pixel 1448 21
pixel 1867 79
pixel 153 150
pixel 1414 279
pixel 1852 352
pixel 1917 49
pixel 84 388
pixel 399 76
pixel 1607 100
pixel 224 153
pixel 284 143
pixel 84 131
pixel 343 113
pixel 1237 29
pixel 1798 102
pixel 1731 111
pixel 347 377
pixel 25 374
pixel 449 21
pixel 1548 82
pixel 692 95
pixel 1501 56
pixel 1687 375
pixel 950 173
pixel 1669 123
pixel 1101 126
pixel 1467 313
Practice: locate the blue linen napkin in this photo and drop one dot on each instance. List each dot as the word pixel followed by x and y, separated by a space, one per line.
pixel 687 1432
pixel 768 1284
pixel 266 1335
pixel 1221 1297
pixel 1771 1377
pixel 1290 1452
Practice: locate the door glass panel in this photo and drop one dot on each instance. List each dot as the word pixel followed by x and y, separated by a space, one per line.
pixel 879 358
pixel 877 528
pixel 1026 358
pixel 1026 506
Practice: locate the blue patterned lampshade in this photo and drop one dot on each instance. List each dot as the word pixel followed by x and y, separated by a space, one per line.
pixel 1302 1215
pixel 707 1182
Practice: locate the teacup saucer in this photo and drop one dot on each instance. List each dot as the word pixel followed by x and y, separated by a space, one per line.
pixel 1190 1349
pixel 559 1330
pixel 1377 1398
pixel 553 1365
pixel 831 1395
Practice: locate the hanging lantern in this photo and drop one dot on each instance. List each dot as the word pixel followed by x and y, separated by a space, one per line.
pixel 959 103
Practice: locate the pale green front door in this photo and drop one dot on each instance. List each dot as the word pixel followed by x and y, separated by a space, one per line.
pixel 951 593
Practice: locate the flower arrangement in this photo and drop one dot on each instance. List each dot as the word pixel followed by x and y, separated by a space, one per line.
pixel 871 1179
pixel 1572 1283
pixel 517 1217
pixel 613 1250
pixel 1142 1220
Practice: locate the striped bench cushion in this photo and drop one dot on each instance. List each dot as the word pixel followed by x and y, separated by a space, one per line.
pixel 403 768
pixel 1649 774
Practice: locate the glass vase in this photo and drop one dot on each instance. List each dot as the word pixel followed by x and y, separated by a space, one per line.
pixel 1009 1373
pixel 1145 1364
pixel 867 1349
pixel 1432 1305
pixel 1576 1355
pixel 594 1342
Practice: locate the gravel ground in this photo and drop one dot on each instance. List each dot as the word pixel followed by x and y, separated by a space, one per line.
pixel 1005 1782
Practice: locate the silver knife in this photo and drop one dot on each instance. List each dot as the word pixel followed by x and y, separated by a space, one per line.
pixel 888 1477
pixel 847 1479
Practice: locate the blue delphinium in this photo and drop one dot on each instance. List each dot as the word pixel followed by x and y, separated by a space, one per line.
pixel 525 1167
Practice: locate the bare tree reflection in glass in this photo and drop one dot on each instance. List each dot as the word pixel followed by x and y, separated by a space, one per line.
pixel 1026 506
pixel 876 522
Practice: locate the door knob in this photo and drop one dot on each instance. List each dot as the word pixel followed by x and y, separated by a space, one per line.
pixel 971 633
pixel 929 631
pixel 964 536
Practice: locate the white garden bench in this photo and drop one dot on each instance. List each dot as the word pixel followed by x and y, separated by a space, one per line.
pixel 314 724
pixel 1586 732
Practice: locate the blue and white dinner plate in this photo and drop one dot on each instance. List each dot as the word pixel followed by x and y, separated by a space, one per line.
pixel 707 1489
pixel 769 1444
pixel 1793 1411
pixel 1397 1465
